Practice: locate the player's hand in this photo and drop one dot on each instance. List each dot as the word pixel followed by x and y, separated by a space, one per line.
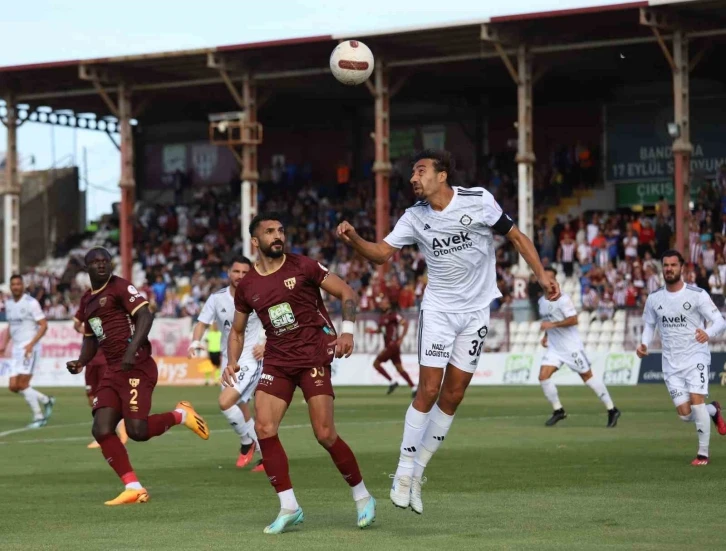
pixel 544 341
pixel 258 351
pixel 546 325
pixel 74 367
pixel 28 350
pixel 346 232
pixel 398 343
pixel 343 345
pixel 229 377
pixel 550 286
pixel 701 336
pixel 641 351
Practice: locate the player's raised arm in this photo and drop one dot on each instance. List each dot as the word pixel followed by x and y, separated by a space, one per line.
pixel 708 310
pixel 335 286
pixel 378 253
pixel 235 344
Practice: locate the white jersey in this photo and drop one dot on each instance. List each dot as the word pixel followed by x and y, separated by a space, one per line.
pixel 458 245
pixel 23 317
pixel 677 316
pixel 219 308
pixel 560 339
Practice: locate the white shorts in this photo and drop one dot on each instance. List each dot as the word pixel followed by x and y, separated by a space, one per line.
pixel 451 338
pixel 682 384
pixel 576 360
pixel 247 378
pixel 20 365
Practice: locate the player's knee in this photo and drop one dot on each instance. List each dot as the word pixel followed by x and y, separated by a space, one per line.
pixel 450 399
pixel 377 364
pixel 14 388
pixel 101 430
pixel 326 436
pixel 225 402
pixel 586 376
pixel 265 429
pixel 544 376
pixel 137 432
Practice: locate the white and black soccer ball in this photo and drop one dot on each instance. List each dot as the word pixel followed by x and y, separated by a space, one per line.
pixel 351 62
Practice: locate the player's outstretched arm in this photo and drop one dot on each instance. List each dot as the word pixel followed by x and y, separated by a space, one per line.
pixel 349 298
pixel 525 247
pixel 5 340
pixel 235 344
pixel 143 319
pixel 378 253
pixel 197 333
pixel 89 347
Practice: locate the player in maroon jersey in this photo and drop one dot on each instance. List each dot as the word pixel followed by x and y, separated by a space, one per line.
pixel 94 373
pixel 284 291
pixel 394 328
pixel 117 319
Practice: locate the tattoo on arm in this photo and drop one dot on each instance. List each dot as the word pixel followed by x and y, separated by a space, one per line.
pixel 349 310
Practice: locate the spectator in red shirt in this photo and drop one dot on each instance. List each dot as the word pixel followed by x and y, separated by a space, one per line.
pixel 646 238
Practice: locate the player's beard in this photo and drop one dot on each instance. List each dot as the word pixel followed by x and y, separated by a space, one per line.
pixel 272 253
pixel 675 278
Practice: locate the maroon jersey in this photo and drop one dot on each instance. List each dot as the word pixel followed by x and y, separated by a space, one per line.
pixel 390 325
pixel 288 302
pixel 107 314
pixel 99 358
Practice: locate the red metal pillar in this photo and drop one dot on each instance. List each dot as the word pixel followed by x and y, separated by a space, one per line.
pixel 10 191
pixel 127 182
pixel 682 147
pixel 250 174
pixel 382 164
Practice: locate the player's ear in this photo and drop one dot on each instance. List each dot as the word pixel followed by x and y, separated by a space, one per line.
pixel 442 176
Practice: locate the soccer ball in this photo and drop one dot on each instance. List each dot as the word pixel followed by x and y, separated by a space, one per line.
pixel 351 62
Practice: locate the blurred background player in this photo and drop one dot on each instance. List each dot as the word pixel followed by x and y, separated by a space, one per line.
pixel 284 291
pixel 394 328
pixel 233 400
pixel 564 347
pixel 680 312
pixel 213 338
pixel 26 326
pixel 93 373
pixel 454 229
pixel 117 318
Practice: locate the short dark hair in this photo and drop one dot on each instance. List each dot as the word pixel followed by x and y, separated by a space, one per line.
pixel 551 269
pixel 240 260
pixel 263 217
pixel 16 276
pixel 673 252
pixel 93 250
pixel 443 160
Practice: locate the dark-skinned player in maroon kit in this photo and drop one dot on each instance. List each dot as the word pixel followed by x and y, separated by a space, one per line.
pixel 118 320
pixel 284 291
pixel 394 327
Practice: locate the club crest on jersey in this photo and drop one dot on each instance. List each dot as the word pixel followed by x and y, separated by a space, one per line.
pixel 290 283
pixel 102 301
pixel 466 220
pixel 686 305
pixel 134 382
pixel 96 327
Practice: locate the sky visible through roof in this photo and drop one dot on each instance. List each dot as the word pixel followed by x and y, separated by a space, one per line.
pixel 36 31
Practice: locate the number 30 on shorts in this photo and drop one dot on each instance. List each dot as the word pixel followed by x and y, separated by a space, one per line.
pixel 318 372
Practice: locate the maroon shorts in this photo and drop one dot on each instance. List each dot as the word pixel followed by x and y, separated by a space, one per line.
pixel 128 392
pixel 94 374
pixel 391 353
pixel 313 381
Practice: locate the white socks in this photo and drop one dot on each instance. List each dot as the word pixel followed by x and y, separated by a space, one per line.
pixel 360 491
pixel 711 409
pixel 183 413
pixel 236 419
pixel 251 434
pixel 703 427
pixel 550 392
pixel 134 486
pixel 31 398
pixel 413 429
pixel 287 500
pixel 599 388
pixel 436 430
pixel 687 418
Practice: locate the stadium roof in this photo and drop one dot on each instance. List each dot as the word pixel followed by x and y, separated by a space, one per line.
pixel 176 82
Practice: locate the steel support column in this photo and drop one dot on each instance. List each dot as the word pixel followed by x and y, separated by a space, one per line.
pixel 682 147
pixel 250 175
pixel 382 163
pixel 11 195
pixel 127 182
pixel 525 146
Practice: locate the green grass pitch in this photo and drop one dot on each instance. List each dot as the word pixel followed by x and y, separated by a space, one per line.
pixel 502 480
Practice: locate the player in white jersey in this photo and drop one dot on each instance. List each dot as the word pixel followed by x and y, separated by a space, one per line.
pixel 454 228
pixel 233 400
pixel 680 313
pixel 564 347
pixel 26 326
